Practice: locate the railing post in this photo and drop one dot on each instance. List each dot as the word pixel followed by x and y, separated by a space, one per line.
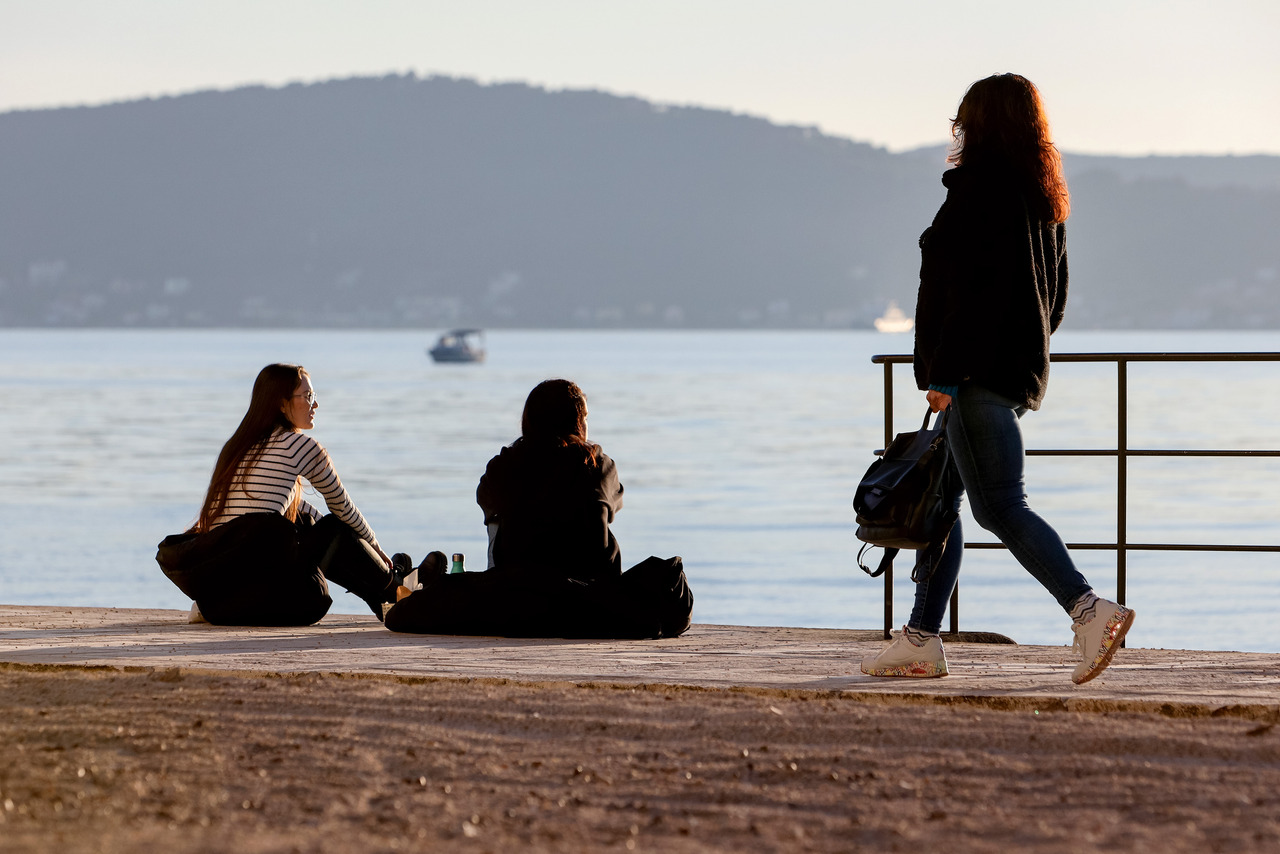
pixel 1122 476
pixel 888 439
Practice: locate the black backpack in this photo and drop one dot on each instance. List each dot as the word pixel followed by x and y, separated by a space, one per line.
pixel 906 500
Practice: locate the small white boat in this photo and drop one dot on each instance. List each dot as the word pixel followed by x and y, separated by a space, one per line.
pixel 893 320
pixel 459 345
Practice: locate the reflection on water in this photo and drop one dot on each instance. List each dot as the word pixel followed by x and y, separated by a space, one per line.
pixel 739 451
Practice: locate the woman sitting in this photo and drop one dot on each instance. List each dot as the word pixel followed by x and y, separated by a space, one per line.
pixel 259 554
pixel 555 569
pixel 549 497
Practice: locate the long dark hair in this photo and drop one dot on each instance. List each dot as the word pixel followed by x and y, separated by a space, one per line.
pixel 556 412
pixel 1002 119
pixel 275 385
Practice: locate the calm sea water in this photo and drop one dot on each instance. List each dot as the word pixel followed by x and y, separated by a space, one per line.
pixel 739 451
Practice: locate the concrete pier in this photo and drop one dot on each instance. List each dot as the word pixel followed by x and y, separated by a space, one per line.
pixel 708 656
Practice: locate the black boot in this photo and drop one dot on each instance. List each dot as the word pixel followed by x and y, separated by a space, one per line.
pixel 401 566
pixel 432 567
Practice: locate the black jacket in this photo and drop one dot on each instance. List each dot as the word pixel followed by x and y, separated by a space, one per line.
pixel 993 286
pixel 553 511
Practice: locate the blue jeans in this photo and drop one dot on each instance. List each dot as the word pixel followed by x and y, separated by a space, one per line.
pixel 986 446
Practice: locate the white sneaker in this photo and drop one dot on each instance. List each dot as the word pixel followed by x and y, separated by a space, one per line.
pixel 904 658
pixel 1099 639
pixel 194 615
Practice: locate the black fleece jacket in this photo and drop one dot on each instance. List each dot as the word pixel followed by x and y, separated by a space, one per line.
pixel 553 510
pixel 993 286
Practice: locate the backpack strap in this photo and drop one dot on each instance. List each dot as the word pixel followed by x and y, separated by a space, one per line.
pixel 927 561
pixel 885 562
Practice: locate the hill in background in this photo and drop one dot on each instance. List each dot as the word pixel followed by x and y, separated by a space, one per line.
pixel 400 201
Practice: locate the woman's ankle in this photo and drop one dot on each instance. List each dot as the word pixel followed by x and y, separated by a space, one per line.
pixel 1083 610
pixel 917 636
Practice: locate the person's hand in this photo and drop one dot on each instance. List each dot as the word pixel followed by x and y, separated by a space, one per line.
pixel 937 400
pixel 385 559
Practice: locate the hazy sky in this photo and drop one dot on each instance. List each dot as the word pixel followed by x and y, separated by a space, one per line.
pixel 1119 76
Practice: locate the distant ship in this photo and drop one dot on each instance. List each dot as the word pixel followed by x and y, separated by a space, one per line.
pixel 893 320
pixel 459 345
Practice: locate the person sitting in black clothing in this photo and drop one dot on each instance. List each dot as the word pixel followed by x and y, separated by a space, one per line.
pixel 549 497
pixel 555 568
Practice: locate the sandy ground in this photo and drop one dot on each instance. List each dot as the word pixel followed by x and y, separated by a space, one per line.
pixel 141 760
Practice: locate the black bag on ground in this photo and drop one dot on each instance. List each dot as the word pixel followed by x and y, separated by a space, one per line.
pixel 907 498
pixel 650 600
pixel 250 571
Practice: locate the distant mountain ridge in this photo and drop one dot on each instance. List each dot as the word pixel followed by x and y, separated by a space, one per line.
pixel 399 201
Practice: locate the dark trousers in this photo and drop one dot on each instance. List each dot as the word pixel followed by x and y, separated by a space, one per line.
pixel 263 570
pixel 650 600
pixel 347 560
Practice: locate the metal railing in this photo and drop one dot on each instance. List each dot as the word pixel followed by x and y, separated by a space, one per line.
pixel 1122 452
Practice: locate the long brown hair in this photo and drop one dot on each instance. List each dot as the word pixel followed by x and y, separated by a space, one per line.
pixel 275 385
pixel 1002 119
pixel 556 412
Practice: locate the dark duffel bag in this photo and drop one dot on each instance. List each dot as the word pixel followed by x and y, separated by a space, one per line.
pixel 251 571
pixel 650 600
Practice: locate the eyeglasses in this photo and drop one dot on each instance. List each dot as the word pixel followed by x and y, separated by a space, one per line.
pixel 312 400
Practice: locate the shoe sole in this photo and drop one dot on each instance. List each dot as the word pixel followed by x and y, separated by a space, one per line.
pixel 917 669
pixel 1117 628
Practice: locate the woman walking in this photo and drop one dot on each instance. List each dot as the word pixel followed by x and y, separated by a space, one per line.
pixel 993 286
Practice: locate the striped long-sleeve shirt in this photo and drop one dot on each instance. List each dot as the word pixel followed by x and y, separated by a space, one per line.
pixel 269 486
